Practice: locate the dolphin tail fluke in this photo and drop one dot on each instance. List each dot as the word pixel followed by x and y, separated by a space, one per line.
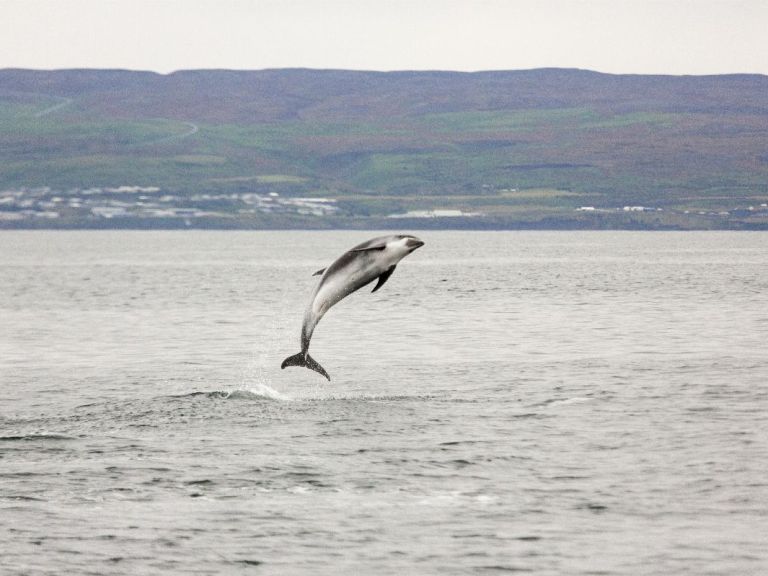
pixel 307 361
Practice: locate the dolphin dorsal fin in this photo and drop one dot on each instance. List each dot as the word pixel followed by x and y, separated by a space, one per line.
pixel 319 272
pixel 383 278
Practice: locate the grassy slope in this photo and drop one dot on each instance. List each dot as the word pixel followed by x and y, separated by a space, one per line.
pixel 710 154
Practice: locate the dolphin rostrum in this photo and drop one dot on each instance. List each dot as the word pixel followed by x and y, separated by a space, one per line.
pixel 354 269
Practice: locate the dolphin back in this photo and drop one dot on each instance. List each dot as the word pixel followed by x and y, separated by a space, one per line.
pixel 305 360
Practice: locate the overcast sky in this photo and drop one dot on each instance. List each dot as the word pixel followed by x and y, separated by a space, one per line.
pixel 620 36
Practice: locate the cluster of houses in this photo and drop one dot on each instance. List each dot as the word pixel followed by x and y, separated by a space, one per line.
pixel 623 209
pixel 435 214
pixel 148 202
pixel 736 212
pixel 153 202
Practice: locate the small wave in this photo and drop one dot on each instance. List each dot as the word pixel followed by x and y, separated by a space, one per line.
pixel 373 398
pixel 22 498
pixel 35 437
pixel 562 401
pixel 259 392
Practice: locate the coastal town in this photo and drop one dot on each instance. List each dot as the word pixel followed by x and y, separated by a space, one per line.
pixel 124 201
pixel 97 204
pixel 152 206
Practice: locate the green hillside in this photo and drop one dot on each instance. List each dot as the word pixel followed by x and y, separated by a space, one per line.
pixel 303 148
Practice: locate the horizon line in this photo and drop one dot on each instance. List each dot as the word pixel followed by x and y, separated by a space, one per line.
pixel 374 71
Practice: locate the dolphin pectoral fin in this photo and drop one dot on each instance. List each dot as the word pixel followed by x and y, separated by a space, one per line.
pixel 319 272
pixel 306 361
pixel 383 278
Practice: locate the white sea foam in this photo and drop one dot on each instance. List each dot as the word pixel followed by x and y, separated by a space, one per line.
pixel 257 392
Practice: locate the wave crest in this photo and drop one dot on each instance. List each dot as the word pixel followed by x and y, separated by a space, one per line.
pixel 258 392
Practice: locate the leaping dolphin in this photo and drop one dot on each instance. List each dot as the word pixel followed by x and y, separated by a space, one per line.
pixel 361 265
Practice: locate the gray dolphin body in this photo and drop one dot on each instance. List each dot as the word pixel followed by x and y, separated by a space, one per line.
pixel 354 269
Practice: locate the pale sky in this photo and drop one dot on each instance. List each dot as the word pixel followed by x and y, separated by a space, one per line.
pixel 619 36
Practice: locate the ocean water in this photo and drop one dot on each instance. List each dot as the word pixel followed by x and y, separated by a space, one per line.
pixel 541 402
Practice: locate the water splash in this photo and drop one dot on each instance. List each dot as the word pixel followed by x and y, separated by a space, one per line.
pixel 257 392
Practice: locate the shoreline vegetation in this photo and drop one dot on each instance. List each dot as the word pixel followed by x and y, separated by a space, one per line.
pixel 330 149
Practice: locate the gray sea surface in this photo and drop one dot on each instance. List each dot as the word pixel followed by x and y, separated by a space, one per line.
pixel 542 402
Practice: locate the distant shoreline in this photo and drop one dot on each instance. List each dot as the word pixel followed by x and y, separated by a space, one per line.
pixel 378 225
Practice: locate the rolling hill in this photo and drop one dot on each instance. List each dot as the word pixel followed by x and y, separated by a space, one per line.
pixel 549 148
